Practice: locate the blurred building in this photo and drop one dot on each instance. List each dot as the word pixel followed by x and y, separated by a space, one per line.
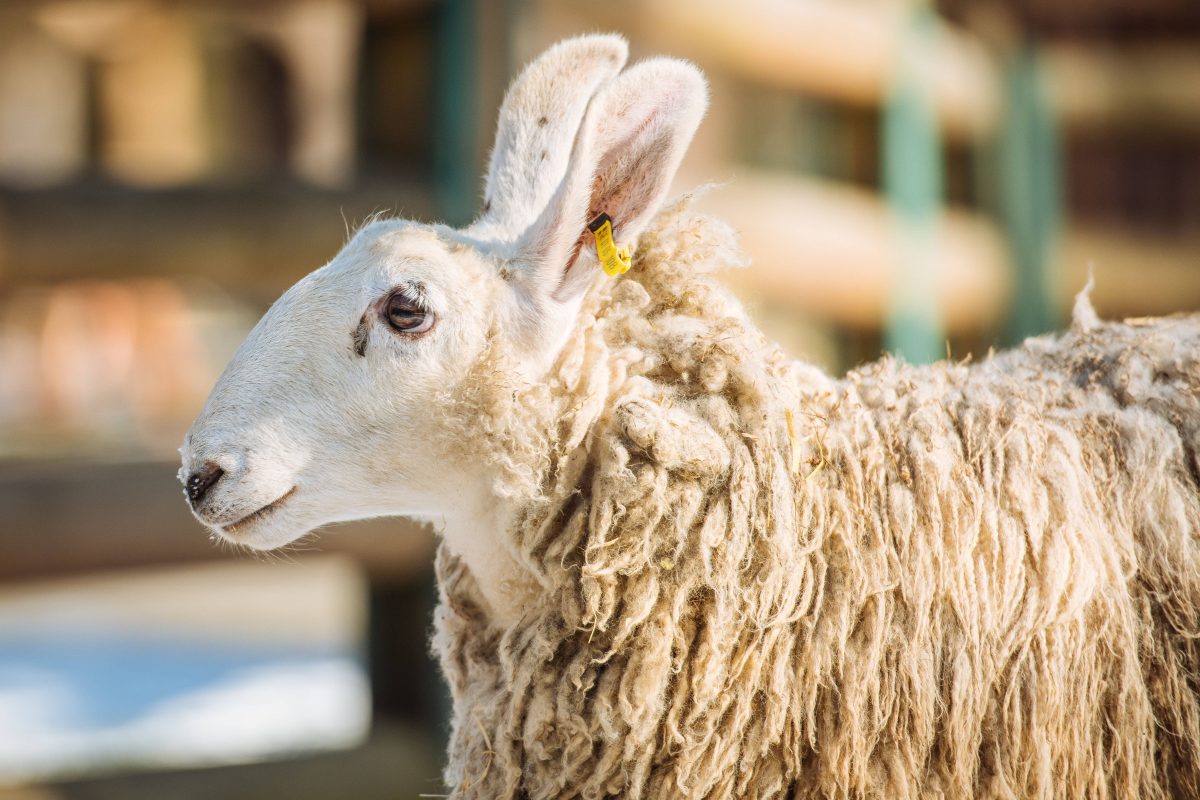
pixel 928 178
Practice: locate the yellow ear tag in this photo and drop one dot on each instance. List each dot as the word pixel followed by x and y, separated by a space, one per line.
pixel 614 260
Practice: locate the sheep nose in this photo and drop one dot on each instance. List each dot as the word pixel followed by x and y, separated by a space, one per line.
pixel 200 481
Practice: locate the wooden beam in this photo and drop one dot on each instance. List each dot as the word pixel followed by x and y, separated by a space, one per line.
pixel 1135 275
pixel 1142 87
pixel 73 518
pixel 848 52
pixel 831 251
pixel 831 48
pixel 255 240
pixel 397 761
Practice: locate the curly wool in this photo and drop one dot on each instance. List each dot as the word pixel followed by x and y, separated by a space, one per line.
pixel 942 581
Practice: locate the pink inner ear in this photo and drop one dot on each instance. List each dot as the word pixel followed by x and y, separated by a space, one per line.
pixel 624 176
pixel 612 197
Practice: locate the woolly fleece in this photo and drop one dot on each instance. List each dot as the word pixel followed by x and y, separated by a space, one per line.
pixel 951 581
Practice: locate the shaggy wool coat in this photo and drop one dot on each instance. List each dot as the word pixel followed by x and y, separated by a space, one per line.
pixel 952 581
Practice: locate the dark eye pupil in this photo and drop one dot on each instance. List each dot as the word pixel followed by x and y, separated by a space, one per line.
pixel 404 314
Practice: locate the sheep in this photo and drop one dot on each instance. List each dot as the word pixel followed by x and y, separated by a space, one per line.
pixel 675 563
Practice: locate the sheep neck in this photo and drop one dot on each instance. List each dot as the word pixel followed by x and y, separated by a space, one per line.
pixel 472 532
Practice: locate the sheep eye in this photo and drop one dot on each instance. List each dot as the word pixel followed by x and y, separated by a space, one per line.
pixel 406 314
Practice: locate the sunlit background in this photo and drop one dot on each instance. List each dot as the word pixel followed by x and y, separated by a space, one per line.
pixel 930 179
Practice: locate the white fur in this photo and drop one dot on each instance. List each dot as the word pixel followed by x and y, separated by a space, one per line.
pixel 361 436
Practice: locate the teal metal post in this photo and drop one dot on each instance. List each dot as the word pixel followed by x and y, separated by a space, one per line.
pixel 455 170
pixel 912 179
pixel 1030 196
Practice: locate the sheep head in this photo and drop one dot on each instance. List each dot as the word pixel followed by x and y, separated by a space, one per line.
pixel 331 410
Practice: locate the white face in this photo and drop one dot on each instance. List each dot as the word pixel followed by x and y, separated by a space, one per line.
pixel 335 406
pixel 329 410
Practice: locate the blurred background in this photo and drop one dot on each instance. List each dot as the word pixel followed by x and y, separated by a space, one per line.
pixel 930 179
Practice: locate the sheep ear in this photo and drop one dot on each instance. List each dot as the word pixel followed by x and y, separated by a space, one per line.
pixel 539 119
pixel 625 155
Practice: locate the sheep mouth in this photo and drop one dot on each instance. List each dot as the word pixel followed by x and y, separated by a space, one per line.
pixel 255 516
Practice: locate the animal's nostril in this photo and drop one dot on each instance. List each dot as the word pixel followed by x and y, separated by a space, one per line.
pixel 200 481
